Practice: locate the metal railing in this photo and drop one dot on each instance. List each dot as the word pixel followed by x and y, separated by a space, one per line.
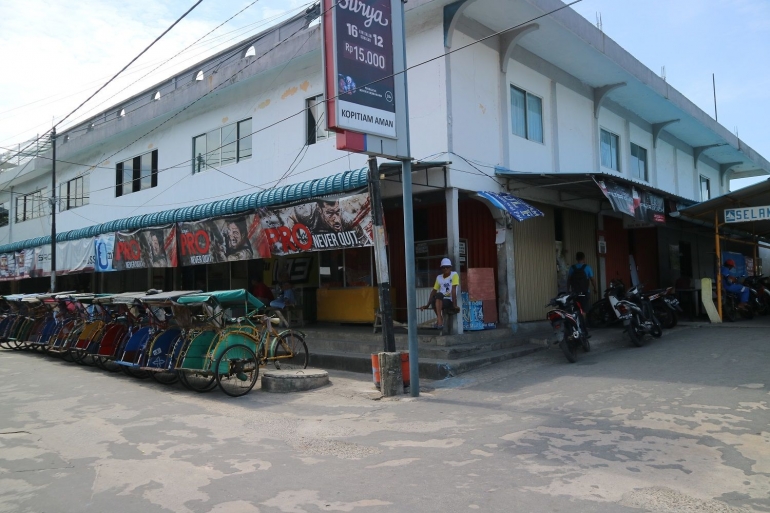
pixel 24 152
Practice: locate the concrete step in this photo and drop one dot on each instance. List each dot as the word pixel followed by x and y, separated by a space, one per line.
pixel 453 352
pixel 430 368
pixel 424 337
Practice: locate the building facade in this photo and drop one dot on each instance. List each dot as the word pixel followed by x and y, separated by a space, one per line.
pixel 522 96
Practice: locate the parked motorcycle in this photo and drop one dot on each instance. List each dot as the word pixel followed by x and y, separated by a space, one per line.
pixel 638 317
pixel 602 312
pixel 567 322
pixel 665 306
pixel 759 297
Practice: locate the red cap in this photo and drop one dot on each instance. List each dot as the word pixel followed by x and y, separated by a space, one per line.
pixel 730 262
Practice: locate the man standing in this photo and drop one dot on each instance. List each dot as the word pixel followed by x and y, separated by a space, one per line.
pixel 580 275
pixel 444 293
pixel 731 284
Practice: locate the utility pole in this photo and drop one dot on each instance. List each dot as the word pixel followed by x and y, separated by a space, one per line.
pixel 411 279
pixel 381 257
pixel 53 210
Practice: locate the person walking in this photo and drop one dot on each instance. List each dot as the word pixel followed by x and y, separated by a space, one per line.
pixel 444 293
pixel 580 276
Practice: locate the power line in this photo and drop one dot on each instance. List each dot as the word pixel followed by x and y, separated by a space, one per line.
pixel 325 101
pixel 132 61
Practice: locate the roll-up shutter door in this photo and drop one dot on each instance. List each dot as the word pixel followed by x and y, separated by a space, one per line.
pixel 534 252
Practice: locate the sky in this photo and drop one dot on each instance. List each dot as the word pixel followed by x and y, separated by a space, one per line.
pixel 54 54
pixel 693 39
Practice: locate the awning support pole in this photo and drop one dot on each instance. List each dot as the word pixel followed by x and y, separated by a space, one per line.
pixel 719 265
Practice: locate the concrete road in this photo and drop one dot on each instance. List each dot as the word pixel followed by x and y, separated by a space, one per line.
pixel 680 425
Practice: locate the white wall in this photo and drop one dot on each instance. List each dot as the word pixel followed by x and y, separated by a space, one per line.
pixel 666 166
pixel 686 175
pixel 576 141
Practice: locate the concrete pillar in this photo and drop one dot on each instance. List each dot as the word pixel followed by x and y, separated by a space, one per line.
pixel 453 242
pixel 602 271
pixel 391 378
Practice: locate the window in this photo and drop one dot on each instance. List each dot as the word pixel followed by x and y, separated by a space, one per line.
pixel 3 215
pixel 73 193
pixel 526 115
pixel 609 150
pixel 136 174
pixel 705 188
pixel 638 162
pixel 223 146
pixel 32 205
pixel 316 122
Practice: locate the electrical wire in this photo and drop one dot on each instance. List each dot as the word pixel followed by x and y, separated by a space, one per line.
pixel 360 87
pixel 131 62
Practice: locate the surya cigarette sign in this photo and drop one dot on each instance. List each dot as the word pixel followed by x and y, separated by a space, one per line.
pixel 742 215
pixel 358 62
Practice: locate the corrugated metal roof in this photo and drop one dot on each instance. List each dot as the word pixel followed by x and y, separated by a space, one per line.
pixel 334 184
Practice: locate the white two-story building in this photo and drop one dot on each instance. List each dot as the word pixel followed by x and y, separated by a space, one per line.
pixel 517 96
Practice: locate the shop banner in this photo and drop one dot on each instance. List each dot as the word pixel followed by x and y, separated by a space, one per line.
pixel 225 239
pixel 7 266
pixel 25 262
pixel 313 226
pixel 104 249
pixel 620 196
pixel 319 225
pixel 140 249
pixel 74 256
pixel 649 207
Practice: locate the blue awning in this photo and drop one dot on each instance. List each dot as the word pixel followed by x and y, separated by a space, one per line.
pixel 518 209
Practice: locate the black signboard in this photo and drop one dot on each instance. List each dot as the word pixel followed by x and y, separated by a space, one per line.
pixel 364 58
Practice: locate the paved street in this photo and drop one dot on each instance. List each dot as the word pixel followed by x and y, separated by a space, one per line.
pixel 680 425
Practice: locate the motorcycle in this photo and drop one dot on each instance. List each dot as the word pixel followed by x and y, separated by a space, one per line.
pixel 602 312
pixel 568 325
pixel 638 317
pixel 665 306
pixel 759 296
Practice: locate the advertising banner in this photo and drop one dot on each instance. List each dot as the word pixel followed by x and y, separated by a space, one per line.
pixel 74 256
pixel 25 261
pixel 649 207
pixel 364 82
pixel 319 225
pixel 313 226
pixel 140 249
pixel 104 249
pixel 8 266
pixel 225 239
pixel 620 196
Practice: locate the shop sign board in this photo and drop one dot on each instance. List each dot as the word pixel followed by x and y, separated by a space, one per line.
pixel 363 52
pixel 641 205
pixel 742 215
pixel 141 249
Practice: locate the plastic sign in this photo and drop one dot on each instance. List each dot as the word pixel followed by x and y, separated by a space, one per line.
pixel 742 215
pixel 363 57
pixel 364 79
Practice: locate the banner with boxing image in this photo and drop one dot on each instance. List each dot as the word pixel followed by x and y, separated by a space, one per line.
pixel 278 231
pixel 140 249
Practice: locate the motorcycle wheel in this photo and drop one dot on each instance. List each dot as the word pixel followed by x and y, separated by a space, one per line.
pixel 666 316
pixel 568 349
pixel 729 311
pixel 657 329
pixel 635 332
pixel 747 313
pixel 597 315
pixel 585 343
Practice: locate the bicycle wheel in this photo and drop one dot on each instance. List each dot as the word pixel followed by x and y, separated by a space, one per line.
pixel 289 351
pixel 165 377
pixel 198 382
pixel 237 370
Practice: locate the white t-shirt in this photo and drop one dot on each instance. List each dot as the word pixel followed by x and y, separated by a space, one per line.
pixel 444 285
